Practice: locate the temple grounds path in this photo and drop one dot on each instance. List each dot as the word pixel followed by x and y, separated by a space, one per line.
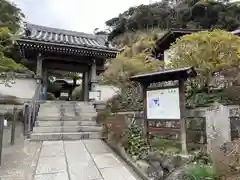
pixel 63 160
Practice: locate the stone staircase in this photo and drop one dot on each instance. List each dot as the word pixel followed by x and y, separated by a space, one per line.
pixel 66 120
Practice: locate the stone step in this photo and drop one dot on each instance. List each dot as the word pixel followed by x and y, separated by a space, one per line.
pixel 66 136
pixel 41 112
pixel 85 110
pixel 53 129
pixel 50 110
pixel 48 117
pixel 87 114
pixel 65 118
pixel 66 123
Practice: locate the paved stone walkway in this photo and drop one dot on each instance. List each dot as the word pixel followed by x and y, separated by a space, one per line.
pixel 20 160
pixel 68 160
pixel 80 160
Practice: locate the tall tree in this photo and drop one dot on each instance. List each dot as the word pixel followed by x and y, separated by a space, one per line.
pixel 10 22
pixel 185 14
pixel 10 15
pixel 210 52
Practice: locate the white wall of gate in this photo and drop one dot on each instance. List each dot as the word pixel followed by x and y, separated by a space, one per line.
pixel 23 88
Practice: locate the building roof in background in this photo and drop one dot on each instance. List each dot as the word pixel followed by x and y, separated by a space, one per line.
pixel 167 39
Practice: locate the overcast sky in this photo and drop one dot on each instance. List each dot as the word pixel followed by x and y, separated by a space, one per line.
pixel 78 15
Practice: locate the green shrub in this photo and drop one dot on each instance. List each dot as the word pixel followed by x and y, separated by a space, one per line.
pixel 135 144
pixel 200 172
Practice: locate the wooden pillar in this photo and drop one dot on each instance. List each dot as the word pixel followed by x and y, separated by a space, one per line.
pixel 45 83
pixel 93 75
pixel 93 71
pixel 85 86
pixel 39 74
pixel 39 65
pixel 83 82
pixel 183 116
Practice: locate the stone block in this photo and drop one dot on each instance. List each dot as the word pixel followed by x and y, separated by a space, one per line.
pixel 106 160
pixel 55 176
pixel 49 165
pixel 96 146
pixel 84 170
pixel 117 173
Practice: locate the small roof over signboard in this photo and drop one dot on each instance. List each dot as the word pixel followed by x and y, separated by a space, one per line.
pixel 165 75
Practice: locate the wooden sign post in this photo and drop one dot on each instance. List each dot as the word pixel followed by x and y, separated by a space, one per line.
pixel 164 98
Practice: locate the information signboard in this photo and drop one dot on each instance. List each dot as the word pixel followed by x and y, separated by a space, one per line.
pixel 163 104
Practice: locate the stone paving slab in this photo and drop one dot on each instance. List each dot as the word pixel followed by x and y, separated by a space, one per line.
pixel 117 173
pixel 84 171
pixel 96 146
pixel 64 160
pixel 52 150
pixel 55 164
pixel 106 160
pixel 20 160
pixel 55 176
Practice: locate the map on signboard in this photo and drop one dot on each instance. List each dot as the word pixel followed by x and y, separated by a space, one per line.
pixel 163 104
pixel 154 102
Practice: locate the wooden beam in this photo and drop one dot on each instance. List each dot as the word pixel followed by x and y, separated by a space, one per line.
pixel 66 66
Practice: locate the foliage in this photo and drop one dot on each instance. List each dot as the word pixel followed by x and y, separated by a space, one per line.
pixel 165 145
pixel 195 14
pixel 7 65
pixel 10 16
pixel 135 144
pixel 208 51
pixel 77 93
pixel 135 59
pixel 200 172
pixel 65 75
pixel 201 157
pixel 214 54
pixel 10 20
pixel 129 99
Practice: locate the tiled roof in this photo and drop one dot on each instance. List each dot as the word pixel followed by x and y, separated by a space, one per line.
pixel 165 74
pixel 65 37
pixel 167 39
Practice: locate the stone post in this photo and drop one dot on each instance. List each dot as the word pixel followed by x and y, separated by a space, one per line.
pixel 218 127
pixel 94 79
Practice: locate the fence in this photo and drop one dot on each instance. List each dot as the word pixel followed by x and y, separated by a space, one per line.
pixel 234 116
pixel 168 129
pixel 11 113
pixel 202 124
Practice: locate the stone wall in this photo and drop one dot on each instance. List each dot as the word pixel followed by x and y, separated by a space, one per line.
pixel 218 120
pixel 23 88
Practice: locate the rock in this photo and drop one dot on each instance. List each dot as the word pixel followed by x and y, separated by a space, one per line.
pixel 134 158
pixel 154 156
pixel 168 163
pixel 143 165
pixel 155 172
pixel 177 174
